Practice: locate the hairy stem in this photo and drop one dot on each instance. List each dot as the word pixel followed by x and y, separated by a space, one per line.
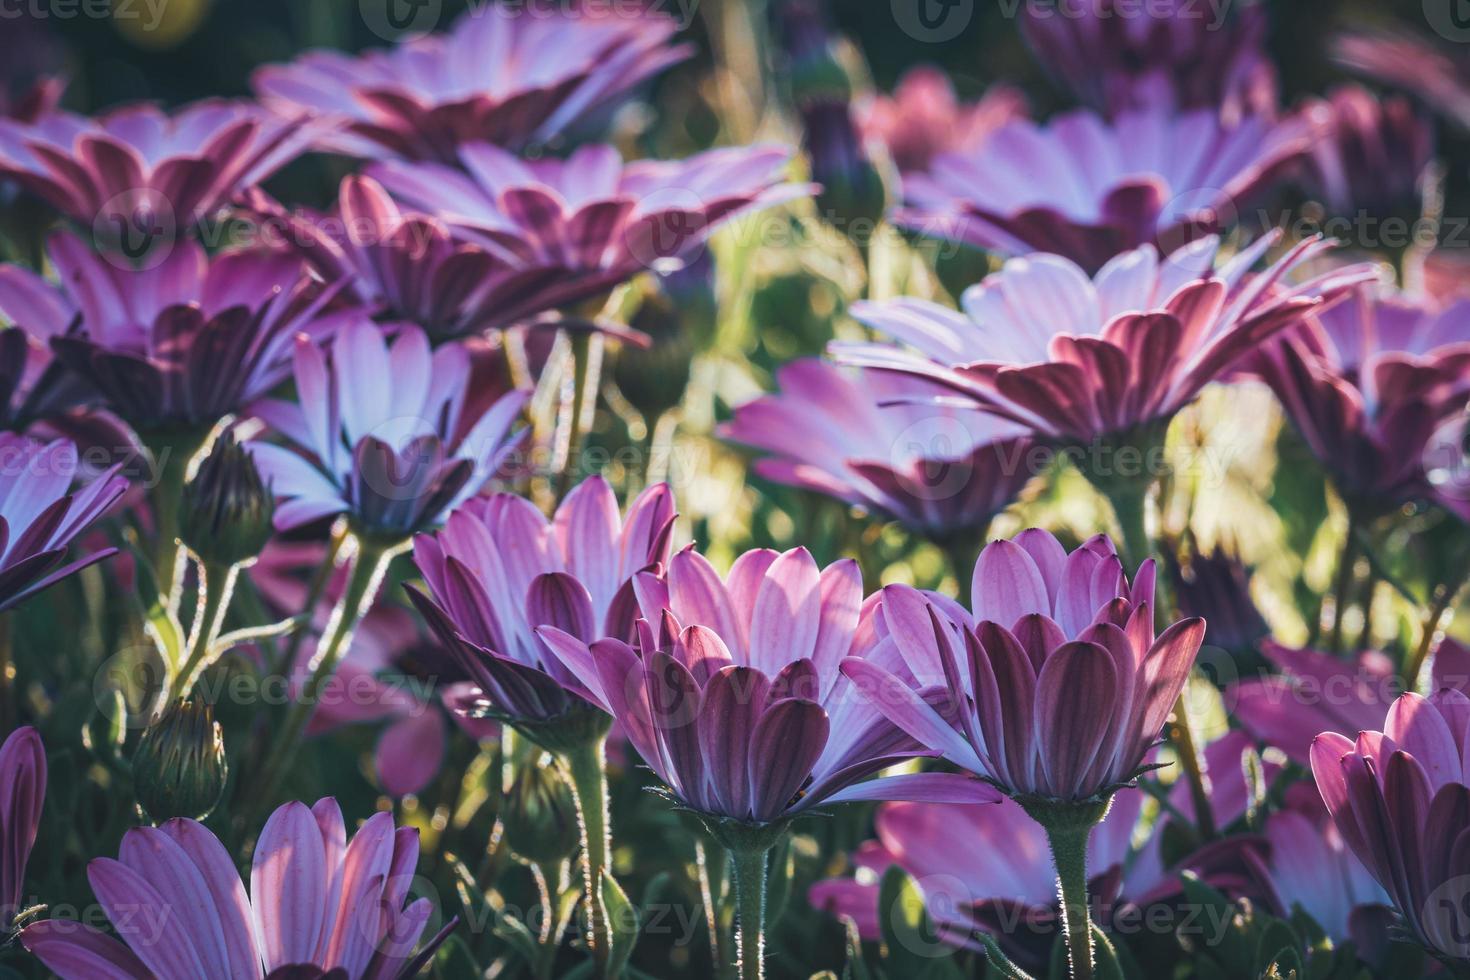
pixel 1069 852
pixel 749 871
pixel 216 586
pixel 587 773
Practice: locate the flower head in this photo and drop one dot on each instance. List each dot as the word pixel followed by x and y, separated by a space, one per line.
pixel 500 570
pixel 180 344
pixel 923 119
pixel 1116 57
pixel 139 172
pixel 591 215
pixel 1060 685
pixel 1429 70
pixel 40 514
pixel 938 470
pixel 1088 189
pixel 382 433
pixel 509 75
pixel 317 902
pixel 22 795
pixel 1216 588
pixel 1376 156
pixel 1400 799
pixel 735 698
pixel 1077 359
pixel 1368 382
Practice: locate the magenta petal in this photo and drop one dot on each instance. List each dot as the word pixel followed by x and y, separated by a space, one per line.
pixel 787 742
pixel 733 701
pixel 74 951
pixel 921 787
pixel 557 599
pixel 141 916
pixel 288 887
pixel 1007 585
pixel 410 752
pixel 1076 700
pixel 787 615
pixel 905 708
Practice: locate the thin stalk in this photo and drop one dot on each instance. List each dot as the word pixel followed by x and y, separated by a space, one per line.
pixel 587 774
pixel 749 871
pixel 368 569
pixel 702 855
pixel 314 590
pixel 216 586
pixel 1069 853
pixel 170 458
pixel 586 366
pixel 8 713
pixel 549 887
pixel 1340 588
pixel 1432 624
pixel 1130 508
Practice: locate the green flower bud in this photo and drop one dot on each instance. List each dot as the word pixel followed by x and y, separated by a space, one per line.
pixel 540 816
pixel 227 508
pixel 179 768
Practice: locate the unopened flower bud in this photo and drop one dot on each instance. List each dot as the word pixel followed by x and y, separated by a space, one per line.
pixel 179 768
pixel 227 508
pixel 540 816
pixel 678 315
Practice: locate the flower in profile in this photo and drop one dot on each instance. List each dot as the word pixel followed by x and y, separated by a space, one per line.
pixel 1077 359
pixel 592 216
pixel 1401 802
pixel 1367 383
pixel 22 796
pixel 499 571
pixel 138 175
pixel 923 119
pixel 1087 189
pixel 1060 683
pixel 178 345
pixel 410 267
pixel 382 433
pixel 33 101
pixel 1115 56
pixel 731 691
pixel 1430 71
pixel 1376 157
pixel 509 75
pixel 935 469
pixel 40 515
pixel 1318 692
pixel 318 905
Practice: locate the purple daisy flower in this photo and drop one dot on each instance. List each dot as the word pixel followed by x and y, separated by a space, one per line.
pixel 178 345
pixel 1116 56
pixel 22 796
pixel 506 74
pixel 592 215
pixel 382 433
pixel 1086 188
pixel 40 515
pixel 1377 155
pixel 319 905
pixel 141 172
pixel 1368 382
pixel 500 571
pixel 411 267
pixel 743 712
pixel 1076 359
pixel 923 119
pixel 1059 682
pixel 1401 800
pixel 935 469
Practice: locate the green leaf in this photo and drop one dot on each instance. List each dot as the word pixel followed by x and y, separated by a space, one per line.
pixel 622 921
pixel 1278 954
pixel 1001 964
pixel 856 967
pixel 517 935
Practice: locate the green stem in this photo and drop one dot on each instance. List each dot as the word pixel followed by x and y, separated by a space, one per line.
pixel 1069 852
pixel 749 871
pixel 707 893
pixel 368 569
pixel 314 590
pixel 171 458
pixel 1345 565
pixel 549 886
pixel 586 367
pixel 1130 509
pixel 8 712
pixel 216 586
pixel 587 773
pixel 1415 666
